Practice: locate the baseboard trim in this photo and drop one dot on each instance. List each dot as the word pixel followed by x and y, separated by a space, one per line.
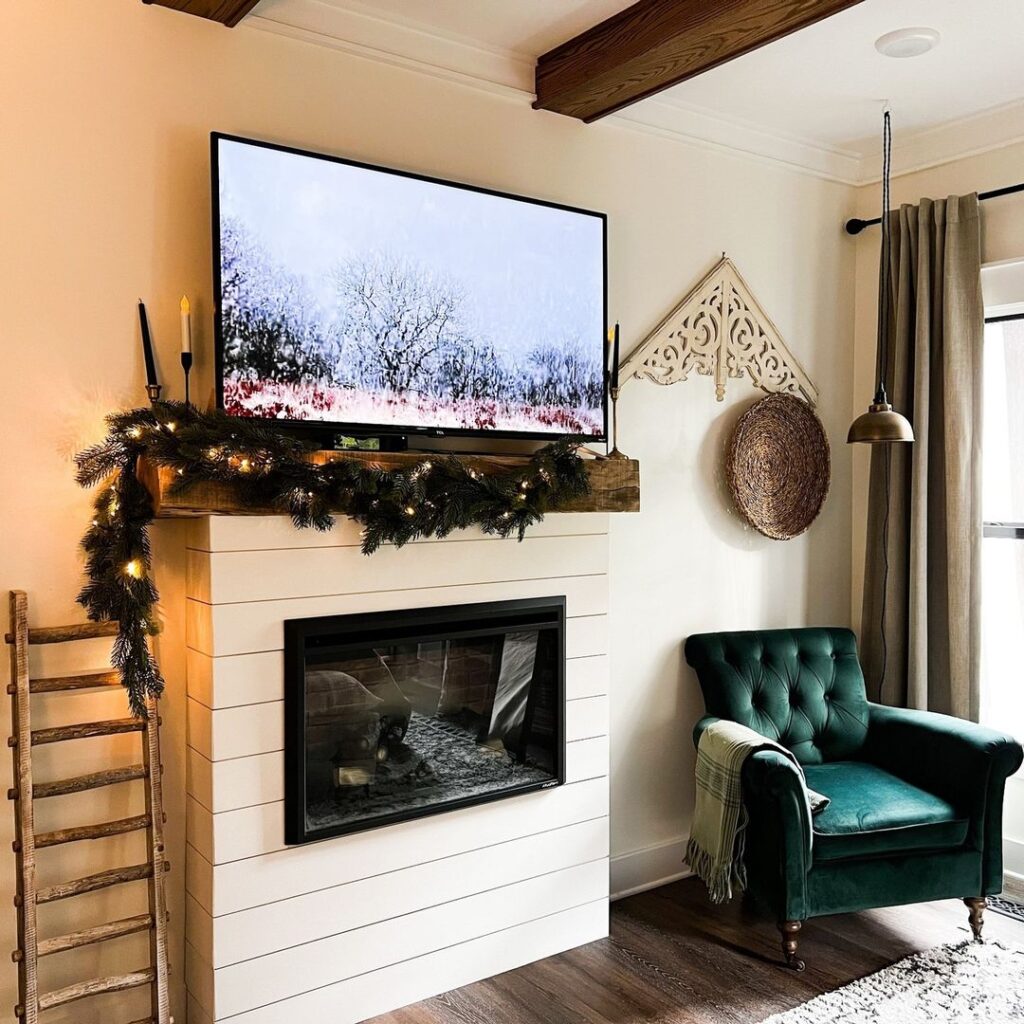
pixel 1013 856
pixel 1013 885
pixel 647 868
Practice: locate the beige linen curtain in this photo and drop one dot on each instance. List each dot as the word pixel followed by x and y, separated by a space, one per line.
pixel 922 614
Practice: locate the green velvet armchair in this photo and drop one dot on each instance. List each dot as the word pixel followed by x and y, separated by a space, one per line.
pixel 916 798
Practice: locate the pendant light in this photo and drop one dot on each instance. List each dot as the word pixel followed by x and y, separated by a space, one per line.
pixel 881 424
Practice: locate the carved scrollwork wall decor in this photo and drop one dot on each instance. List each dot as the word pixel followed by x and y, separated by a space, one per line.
pixel 720 330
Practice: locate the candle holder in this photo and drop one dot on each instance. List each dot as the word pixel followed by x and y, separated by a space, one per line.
pixel 615 453
pixel 153 390
pixel 186 365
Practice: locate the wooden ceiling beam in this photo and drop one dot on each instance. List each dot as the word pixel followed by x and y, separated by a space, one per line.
pixel 227 12
pixel 658 43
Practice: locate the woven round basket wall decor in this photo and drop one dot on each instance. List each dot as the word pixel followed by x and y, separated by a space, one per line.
pixel 779 466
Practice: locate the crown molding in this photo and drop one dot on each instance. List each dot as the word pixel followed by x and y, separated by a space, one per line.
pixel 359 30
pixel 914 151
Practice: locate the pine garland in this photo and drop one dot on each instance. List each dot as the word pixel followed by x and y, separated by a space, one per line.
pixel 430 498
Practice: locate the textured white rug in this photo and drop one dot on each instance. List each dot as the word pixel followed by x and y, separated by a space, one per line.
pixel 963 983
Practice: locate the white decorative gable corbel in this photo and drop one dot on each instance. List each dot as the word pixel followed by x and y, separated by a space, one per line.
pixel 720 330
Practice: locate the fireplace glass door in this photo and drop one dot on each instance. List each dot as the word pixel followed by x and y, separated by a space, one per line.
pixel 396 715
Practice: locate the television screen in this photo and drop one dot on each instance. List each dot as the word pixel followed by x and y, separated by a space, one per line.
pixel 378 301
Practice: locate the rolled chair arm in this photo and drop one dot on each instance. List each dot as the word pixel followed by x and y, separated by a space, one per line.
pixel 938 752
pixel 962 762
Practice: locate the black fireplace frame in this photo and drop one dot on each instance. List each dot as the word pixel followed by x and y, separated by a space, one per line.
pixel 407 625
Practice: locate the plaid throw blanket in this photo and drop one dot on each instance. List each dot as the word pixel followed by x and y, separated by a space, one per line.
pixel 715 849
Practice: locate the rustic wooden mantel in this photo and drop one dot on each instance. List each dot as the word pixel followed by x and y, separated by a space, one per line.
pixel 614 485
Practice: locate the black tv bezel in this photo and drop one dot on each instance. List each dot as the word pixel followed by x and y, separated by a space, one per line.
pixel 375 429
pixel 541 612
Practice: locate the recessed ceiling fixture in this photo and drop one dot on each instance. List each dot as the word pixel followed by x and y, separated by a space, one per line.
pixel 907 42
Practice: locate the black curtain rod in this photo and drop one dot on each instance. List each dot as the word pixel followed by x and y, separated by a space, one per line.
pixel 855 226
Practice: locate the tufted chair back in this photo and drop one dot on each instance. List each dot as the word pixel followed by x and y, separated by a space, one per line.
pixel 801 687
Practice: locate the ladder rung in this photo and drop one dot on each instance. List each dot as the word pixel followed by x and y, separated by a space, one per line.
pixel 98 933
pixel 99 831
pixel 94 780
pixel 101 880
pixel 61 634
pixel 116 983
pixel 84 730
pixel 85 681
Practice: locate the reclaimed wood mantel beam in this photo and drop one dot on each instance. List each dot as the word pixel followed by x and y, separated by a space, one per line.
pixel 658 43
pixel 227 12
pixel 614 484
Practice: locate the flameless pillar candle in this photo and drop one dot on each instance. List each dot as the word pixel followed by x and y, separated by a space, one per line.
pixel 186 325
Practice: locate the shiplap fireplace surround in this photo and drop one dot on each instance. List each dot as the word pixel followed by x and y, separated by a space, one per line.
pixel 346 928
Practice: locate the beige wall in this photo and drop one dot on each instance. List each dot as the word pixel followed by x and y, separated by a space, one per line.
pixel 1002 239
pixel 106 116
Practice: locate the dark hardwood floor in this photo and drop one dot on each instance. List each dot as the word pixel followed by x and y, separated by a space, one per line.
pixel 672 958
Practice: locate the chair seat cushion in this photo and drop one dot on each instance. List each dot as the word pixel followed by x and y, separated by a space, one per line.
pixel 873 813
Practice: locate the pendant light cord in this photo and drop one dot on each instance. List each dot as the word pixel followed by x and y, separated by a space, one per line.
pixel 883 303
pixel 883 356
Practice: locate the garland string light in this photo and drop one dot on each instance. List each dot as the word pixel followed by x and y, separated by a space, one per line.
pixel 430 498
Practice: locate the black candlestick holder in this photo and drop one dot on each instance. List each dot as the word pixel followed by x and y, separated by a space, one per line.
pixel 186 365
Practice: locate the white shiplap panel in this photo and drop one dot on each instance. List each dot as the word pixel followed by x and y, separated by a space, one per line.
pixel 252 831
pixel 262 533
pixel 259 728
pixel 586 759
pixel 241 731
pixel 354 1000
pixel 259 779
pixel 354 903
pixel 238 576
pixel 289 972
pixel 199 981
pixel 200 929
pixel 199 778
pixel 237 679
pixel 259 678
pixel 265 929
pixel 282 872
pixel 241 628
pixel 586 676
pixel 586 718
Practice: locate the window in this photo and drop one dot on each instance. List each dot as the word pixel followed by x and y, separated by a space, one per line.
pixel 1002 623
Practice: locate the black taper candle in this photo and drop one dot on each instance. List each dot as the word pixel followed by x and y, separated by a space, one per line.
pixel 147 346
pixel 615 358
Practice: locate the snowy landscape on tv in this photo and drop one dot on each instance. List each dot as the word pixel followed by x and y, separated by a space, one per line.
pixel 355 296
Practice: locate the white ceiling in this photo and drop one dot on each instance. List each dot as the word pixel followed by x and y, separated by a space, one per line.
pixel 828 82
pixel 813 99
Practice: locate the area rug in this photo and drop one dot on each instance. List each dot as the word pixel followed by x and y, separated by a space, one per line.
pixel 1007 905
pixel 962 983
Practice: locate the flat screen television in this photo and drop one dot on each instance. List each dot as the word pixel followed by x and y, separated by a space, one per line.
pixel 373 301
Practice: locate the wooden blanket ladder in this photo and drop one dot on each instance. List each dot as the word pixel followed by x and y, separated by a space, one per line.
pixel 27 841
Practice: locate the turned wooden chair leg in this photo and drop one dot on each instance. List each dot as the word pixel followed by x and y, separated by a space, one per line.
pixel 790 930
pixel 976 905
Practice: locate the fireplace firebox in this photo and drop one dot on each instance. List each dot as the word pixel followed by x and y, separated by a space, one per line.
pixel 397 715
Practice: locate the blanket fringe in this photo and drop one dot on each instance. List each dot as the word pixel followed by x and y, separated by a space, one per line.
pixel 721 879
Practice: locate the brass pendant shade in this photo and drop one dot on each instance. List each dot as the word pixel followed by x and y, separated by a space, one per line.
pixel 880 425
